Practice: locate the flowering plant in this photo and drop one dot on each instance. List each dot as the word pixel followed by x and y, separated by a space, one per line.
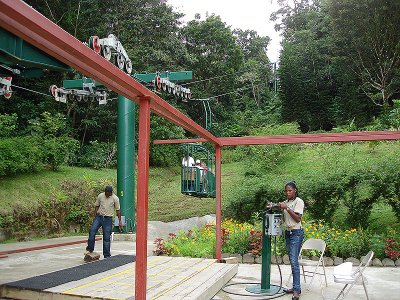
pixel 339 242
pixel 392 249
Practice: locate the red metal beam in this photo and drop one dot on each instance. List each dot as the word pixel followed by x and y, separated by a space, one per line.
pixel 3 253
pixel 22 20
pixel 142 198
pixel 296 139
pixel 312 138
pixel 218 200
pixel 181 141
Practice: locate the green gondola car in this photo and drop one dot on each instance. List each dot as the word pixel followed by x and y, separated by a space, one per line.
pixel 198 171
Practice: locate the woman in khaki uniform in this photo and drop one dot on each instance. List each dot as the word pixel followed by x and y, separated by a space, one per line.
pixel 293 209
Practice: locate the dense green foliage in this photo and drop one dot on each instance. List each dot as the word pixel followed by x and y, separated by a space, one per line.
pixel 67 209
pixel 20 155
pixel 338 56
pixel 336 176
pixel 46 145
pixel 327 73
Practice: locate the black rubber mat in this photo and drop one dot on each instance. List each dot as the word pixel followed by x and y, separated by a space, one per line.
pixel 46 281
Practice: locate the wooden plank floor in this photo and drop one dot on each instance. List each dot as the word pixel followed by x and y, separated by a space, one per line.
pixel 167 278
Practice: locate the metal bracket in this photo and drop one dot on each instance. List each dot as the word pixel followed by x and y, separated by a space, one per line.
pixel 5 87
pixel 87 94
pixel 163 84
pixel 111 46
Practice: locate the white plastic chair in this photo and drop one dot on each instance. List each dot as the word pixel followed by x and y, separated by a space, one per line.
pixel 312 244
pixel 343 274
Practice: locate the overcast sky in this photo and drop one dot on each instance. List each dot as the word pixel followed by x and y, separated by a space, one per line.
pixel 249 14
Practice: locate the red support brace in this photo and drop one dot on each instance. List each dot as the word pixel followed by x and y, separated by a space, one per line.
pixel 218 199
pixel 142 198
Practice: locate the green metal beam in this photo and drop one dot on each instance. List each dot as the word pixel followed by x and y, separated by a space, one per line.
pixel 148 77
pixel 172 76
pixel 18 54
pixel 78 83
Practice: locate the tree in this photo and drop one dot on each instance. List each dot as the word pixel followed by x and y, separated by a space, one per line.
pixel 255 72
pixel 370 43
pixel 149 31
pixel 318 88
pixel 307 85
pixel 290 15
pixel 213 54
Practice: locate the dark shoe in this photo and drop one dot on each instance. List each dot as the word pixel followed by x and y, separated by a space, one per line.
pixel 296 296
pixel 288 291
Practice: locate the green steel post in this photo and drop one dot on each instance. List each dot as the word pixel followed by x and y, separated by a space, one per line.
pixel 266 260
pixel 265 288
pixel 126 162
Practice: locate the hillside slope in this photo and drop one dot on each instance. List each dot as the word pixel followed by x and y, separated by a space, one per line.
pixel 166 203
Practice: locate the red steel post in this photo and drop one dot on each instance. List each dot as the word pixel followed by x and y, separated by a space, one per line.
pixel 218 210
pixel 142 198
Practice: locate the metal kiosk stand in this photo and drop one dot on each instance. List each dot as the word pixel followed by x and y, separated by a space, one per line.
pixel 272 226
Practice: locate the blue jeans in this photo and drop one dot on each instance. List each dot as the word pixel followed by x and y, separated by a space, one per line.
pixel 106 223
pixel 294 240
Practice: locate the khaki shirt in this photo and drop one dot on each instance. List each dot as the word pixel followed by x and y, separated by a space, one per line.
pixel 297 205
pixel 107 204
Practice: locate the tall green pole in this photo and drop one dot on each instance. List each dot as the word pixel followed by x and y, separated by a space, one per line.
pixel 126 162
pixel 265 288
pixel 266 260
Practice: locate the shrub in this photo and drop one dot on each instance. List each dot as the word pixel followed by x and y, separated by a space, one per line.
pixel 58 151
pixel 392 246
pixel 381 218
pixel 343 243
pixel 8 125
pixel 99 155
pixel 245 238
pixel 252 196
pixel 200 242
pixel 240 238
pixel 20 155
pixel 49 125
pixel 29 153
pixel 377 244
pixel 71 205
pixel 6 221
pixel 77 215
pixel 392 249
pixel 338 179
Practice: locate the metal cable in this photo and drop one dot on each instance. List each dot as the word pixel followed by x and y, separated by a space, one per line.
pixel 14 71
pixel 207 79
pixel 32 91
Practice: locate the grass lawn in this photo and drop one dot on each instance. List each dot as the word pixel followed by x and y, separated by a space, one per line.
pixel 28 189
pixel 166 203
